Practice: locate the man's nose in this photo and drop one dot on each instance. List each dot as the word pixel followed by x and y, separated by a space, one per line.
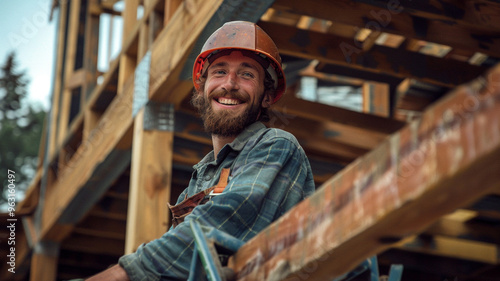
pixel 231 82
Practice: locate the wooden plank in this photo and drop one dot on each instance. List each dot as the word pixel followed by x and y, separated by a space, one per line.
pixel 376 99
pixel 150 184
pixel 395 62
pixel 419 174
pixel 398 17
pixel 310 71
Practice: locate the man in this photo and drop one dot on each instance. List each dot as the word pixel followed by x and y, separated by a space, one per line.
pixel 253 175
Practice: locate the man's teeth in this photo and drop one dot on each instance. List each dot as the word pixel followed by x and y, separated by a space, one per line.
pixel 228 101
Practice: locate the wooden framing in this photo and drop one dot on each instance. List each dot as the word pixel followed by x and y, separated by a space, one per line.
pixel 109 176
pixel 388 16
pixel 379 59
pixel 397 190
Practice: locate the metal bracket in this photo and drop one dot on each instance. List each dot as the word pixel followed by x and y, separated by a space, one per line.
pixel 141 83
pixel 159 116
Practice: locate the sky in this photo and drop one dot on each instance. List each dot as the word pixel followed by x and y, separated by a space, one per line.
pixel 25 29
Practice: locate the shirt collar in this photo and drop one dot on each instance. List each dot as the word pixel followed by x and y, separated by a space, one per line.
pixel 237 144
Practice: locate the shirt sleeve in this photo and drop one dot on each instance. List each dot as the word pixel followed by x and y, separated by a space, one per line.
pixel 268 181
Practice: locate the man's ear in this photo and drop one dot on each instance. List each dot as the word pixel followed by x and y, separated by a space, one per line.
pixel 267 100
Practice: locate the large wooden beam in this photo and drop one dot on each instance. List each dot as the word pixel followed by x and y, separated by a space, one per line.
pixel 445 160
pixel 344 51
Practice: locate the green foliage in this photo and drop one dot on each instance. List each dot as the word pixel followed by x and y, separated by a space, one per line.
pixel 21 126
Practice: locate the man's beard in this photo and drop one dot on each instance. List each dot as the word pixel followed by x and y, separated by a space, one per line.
pixel 223 122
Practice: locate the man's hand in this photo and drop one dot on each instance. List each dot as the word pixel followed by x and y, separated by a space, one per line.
pixel 114 273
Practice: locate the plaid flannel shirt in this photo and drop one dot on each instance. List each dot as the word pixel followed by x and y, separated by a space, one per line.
pixel 269 174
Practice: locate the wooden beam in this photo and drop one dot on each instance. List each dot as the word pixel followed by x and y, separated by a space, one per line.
pixel 91 245
pixel 421 266
pixel 471 230
pixel 403 18
pixel 453 247
pixel 377 125
pixel 171 7
pixel 150 182
pixel 44 261
pixel 419 174
pixel 379 59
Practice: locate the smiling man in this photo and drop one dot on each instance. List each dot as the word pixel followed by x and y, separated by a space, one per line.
pixel 253 175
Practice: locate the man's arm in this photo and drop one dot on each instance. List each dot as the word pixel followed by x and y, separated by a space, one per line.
pixel 266 182
pixel 114 273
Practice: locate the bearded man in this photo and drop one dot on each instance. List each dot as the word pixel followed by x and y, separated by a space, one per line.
pixel 253 175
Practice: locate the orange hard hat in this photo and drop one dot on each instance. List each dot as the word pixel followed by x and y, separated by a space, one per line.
pixel 242 35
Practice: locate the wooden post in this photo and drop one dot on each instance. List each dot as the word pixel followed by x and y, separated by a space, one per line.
pixel 90 67
pixel 53 139
pixel 71 44
pixel 44 261
pixel 151 172
pixel 376 98
pixel 127 61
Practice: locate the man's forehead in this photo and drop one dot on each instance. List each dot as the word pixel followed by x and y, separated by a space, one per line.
pixel 236 57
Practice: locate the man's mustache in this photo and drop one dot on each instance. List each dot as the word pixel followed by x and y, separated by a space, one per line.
pixel 223 93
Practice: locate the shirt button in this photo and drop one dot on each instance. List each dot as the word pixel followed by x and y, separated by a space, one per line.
pixel 207 177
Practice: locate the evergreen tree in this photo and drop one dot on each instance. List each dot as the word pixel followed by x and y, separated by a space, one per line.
pixel 21 126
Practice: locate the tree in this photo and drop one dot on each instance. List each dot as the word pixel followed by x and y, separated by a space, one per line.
pixel 21 126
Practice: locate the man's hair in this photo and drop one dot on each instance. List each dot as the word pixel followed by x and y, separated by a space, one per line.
pixel 268 89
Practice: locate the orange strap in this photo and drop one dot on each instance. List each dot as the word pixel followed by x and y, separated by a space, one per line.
pixel 221 185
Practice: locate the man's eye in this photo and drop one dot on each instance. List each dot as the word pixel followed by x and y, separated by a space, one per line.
pixel 248 74
pixel 219 72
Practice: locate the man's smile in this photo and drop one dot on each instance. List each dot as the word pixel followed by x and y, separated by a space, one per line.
pixel 228 101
